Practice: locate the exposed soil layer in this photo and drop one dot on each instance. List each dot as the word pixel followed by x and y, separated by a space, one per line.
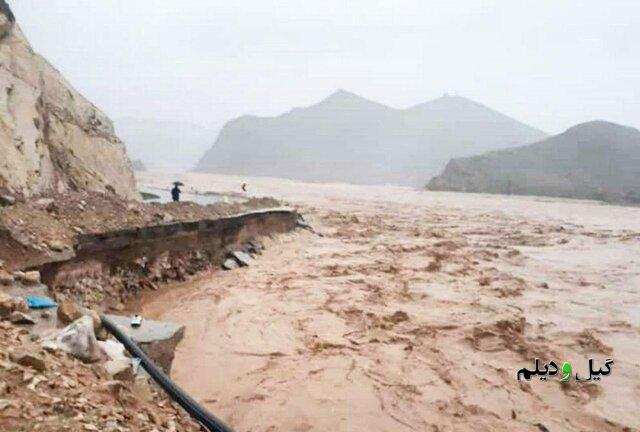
pixel 38 229
pixel 415 311
pixel 109 269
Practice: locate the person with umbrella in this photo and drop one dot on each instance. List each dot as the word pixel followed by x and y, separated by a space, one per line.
pixel 175 192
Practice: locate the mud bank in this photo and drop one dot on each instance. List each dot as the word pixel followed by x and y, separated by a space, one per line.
pixel 109 268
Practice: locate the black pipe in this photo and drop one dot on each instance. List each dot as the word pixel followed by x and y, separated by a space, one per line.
pixel 204 417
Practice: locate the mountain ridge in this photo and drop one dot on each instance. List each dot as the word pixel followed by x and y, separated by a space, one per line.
pixel 592 160
pixel 346 137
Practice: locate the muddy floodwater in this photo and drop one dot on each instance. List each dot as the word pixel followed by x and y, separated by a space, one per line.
pixel 414 311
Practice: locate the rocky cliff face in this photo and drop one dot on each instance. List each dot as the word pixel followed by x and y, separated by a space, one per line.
pixel 51 137
pixel 594 160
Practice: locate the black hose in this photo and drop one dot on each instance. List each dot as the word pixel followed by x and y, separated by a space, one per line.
pixel 204 417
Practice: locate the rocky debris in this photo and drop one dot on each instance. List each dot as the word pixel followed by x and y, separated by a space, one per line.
pixel 10 304
pixel 18 317
pixel 40 390
pixel 119 369
pixel 230 264
pixel 243 259
pixel 77 339
pixel 56 246
pixel 7 200
pixel 68 312
pixel 46 203
pixel 25 358
pixel 6 278
pixel 157 339
pixel 254 247
pixel 28 278
pixel 100 332
pixel 118 366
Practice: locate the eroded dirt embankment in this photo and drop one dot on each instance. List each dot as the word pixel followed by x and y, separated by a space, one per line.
pixel 48 228
pixel 414 312
pixel 101 250
pixel 112 268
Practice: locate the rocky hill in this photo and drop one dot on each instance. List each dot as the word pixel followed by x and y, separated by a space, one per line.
pixel 51 137
pixel 351 139
pixel 595 160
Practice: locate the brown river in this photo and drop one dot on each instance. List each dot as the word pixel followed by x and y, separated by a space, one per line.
pixel 413 312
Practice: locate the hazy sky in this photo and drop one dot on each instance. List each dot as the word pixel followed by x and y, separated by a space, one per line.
pixel 549 63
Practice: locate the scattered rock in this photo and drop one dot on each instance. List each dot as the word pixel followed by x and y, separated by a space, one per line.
pixel 28 359
pixel 120 370
pixel 301 223
pixel 99 330
pixel 18 317
pixel 6 278
pixel 111 387
pixel 142 390
pixel 252 249
pixel 56 245
pixel 9 304
pixel 542 427
pixel 29 278
pixel 7 200
pixel 46 203
pixel 68 312
pixel 77 339
pixel 230 264
pixel 242 258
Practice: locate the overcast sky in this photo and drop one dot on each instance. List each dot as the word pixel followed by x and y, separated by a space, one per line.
pixel 549 63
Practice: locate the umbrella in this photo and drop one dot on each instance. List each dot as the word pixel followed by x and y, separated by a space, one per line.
pixel 178 183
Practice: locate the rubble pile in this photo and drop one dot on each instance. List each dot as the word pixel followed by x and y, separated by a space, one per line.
pixel 110 290
pixel 71 381
pixel 60 371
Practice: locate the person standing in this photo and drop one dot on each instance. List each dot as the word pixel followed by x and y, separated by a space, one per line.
pixel 175 192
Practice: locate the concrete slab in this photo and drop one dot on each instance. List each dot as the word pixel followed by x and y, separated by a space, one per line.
pixel 158 339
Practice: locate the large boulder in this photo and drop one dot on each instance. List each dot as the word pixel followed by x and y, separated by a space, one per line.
pixel 77 339
pixel 51 137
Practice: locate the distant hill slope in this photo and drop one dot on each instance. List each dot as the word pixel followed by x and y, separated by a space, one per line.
pixel 51 137
pixel 351 139
pixel 163 145
pixel 595 160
